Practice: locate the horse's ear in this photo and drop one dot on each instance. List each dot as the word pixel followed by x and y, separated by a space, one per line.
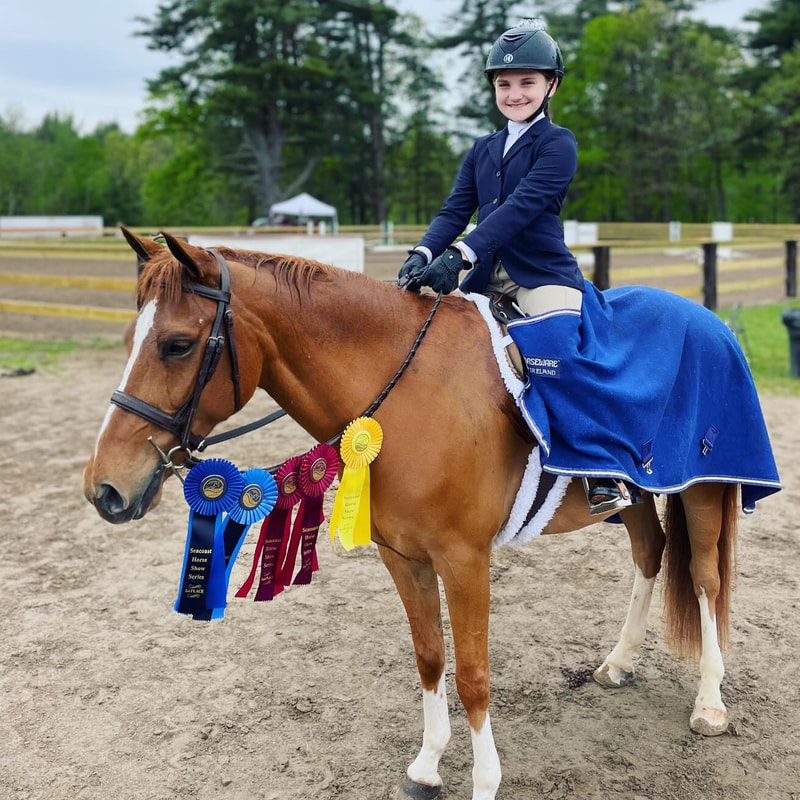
pixel 145 249
pixel 187 254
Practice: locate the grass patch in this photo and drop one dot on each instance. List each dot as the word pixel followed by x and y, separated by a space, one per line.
pixel 766 343
pixel 27 354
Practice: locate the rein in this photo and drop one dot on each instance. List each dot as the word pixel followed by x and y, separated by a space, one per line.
pixel 376 404
pixel 180 423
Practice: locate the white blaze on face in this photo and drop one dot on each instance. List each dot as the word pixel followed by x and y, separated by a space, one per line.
pixel 144 325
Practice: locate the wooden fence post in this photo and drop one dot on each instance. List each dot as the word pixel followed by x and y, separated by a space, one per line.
pixel 791 268
pixel 710 275
pixel 602 267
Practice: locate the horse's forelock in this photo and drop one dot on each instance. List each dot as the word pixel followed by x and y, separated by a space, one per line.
pixel 162 276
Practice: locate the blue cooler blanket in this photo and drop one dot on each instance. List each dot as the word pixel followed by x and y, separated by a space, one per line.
pixel 646 386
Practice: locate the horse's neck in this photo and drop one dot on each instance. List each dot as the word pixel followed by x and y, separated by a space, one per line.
pixel 337 346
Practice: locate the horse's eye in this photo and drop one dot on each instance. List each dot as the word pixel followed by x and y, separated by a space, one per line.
pixel 177 347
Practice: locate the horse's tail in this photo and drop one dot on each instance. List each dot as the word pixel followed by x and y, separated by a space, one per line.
pixel 682 611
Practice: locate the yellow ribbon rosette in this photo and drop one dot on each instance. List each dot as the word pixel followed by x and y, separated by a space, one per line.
pixel 361 443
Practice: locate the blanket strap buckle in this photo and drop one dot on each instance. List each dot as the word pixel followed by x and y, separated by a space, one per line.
pixel 647 457
pixel 709 439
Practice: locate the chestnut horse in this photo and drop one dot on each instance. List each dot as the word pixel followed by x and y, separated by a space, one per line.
pixel 323 342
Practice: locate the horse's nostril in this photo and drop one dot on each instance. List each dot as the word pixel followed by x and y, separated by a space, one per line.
pixel 109 500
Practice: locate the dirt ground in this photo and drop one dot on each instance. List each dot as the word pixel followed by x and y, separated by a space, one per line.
pixel 106 692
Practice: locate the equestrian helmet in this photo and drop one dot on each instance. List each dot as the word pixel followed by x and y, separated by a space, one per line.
pixel 525 47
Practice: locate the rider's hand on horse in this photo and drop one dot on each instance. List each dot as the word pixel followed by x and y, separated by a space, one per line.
pixel 442 273
pixel 411 271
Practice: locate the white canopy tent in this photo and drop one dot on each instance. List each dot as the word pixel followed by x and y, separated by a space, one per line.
pixel 302 206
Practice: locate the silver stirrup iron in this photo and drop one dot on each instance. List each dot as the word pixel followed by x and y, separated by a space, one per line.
pixel 628 496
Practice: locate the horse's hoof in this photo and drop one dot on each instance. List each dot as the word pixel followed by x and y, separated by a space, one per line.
pixel 411 790
pixel 611 677
pixel 709 721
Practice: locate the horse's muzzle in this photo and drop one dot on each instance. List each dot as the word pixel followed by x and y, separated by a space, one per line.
pixel 113 507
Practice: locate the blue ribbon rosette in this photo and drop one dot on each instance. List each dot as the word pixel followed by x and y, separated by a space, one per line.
pixel 211 488
pixel 257 499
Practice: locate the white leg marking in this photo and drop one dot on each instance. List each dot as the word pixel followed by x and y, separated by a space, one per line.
pixel 144 323
pixel 618 666
pixel 486 773
pixel 710 716
pixel 425 769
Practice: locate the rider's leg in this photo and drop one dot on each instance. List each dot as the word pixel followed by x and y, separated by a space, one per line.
pixel 548 298
pixel 603 494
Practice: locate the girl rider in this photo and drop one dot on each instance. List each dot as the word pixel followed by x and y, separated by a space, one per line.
pixel 516 178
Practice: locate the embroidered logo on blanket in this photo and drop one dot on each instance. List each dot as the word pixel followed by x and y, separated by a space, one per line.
pixel 544 367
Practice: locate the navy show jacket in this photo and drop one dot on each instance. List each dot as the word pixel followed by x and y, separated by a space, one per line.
pixel 518 199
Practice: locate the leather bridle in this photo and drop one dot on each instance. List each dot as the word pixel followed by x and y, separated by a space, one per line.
pixel 180 423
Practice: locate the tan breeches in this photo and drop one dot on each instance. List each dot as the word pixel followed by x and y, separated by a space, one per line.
pixel 538 300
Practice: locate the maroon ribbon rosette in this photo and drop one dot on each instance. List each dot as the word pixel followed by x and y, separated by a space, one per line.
pixel 273 539
pixel 317 471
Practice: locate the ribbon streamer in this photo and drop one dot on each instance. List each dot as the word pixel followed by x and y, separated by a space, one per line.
pixel 255 502
pixel 273 538
pixel 211 488
pixel 317 471
pixel 350 518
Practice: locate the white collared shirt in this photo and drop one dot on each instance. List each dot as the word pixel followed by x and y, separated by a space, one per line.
pixel 516 129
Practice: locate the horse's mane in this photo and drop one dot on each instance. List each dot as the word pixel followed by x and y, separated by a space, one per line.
pixel 163 275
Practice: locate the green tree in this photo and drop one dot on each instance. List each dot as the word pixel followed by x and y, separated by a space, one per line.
pixel 471 33
pixel 296 81
pixel 422 169
pixel 120 175
pixel 16 165
pixel 763 135
pixel 781 94
pixel 648 95
pixel 252 65
pixel 777 34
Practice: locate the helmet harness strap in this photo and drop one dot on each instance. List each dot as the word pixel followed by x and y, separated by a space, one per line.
pixel 544 104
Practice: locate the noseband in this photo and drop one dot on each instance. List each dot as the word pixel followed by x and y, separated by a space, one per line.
pixel 180 423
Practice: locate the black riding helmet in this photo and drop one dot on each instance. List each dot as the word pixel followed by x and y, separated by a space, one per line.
pixel 525 47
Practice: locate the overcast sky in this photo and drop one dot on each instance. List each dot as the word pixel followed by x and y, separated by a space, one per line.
pixel 81 57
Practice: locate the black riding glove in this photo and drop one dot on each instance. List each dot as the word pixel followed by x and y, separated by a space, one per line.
pixel 442 273
pixel 411 271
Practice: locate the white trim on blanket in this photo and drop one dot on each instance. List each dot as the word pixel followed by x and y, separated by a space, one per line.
pixel 556 312
pixel 610 473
